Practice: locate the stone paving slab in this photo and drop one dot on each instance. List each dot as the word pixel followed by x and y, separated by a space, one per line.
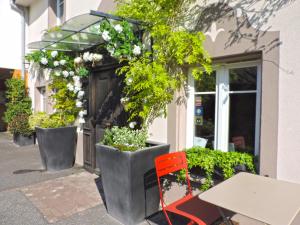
pixel 62 197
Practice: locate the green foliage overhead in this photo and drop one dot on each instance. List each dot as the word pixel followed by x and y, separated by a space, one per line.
pixel 210 160
pixel 174 48
pixel 19 104
pixel 125 139
pixel 121 39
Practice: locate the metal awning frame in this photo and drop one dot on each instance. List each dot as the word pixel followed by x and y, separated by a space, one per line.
pixel 102 16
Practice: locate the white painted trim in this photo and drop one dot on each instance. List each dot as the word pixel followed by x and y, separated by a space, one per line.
pixel 222 109
pixel 205 93
pixel 242 92
pixel 190 133
pixel 258 110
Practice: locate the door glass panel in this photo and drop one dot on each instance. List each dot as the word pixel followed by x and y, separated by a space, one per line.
pixel 242 79
pixel 204 120
pixel 207 83
pixel 242 122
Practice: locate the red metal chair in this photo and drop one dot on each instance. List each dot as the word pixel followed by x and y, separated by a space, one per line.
pixel 191 207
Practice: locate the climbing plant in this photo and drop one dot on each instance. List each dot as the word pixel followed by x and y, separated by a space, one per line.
pixel 66 73
pixel 155 76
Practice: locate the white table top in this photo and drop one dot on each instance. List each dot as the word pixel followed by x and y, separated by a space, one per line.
pixel 264 199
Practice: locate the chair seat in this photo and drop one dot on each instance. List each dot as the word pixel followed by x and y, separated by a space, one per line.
pixel 193 208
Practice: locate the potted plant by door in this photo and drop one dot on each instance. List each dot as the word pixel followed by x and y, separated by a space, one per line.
pixel 22 133
pixel 18 110
pixel 57 140
pixel 126 162
pixel 56 132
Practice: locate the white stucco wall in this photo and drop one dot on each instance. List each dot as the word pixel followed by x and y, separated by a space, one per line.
pixel 10 38
pixel 38 20
pixel 158 130
pixel 282 16
pixel 287 21
pixel 75 8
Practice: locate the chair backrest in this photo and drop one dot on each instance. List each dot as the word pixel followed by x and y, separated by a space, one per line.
pixel 170 163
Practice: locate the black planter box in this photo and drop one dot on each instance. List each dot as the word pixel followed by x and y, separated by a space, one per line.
pixel 129 181
pixel 57 147
pixel 22 140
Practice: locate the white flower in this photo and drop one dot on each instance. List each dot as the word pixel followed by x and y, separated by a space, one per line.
pixel 91 57
pixel 86 56
pixel 59 35
pixel 124 100
pixel 57 73
pixel 77 89
pixel 56 63
pixel 132 125
pixel 105 36
pixel 78 104
pixel 82 113
pixel 65 73
pixel 97 57
pixel 137 50
pixel 71 73
pixel 78 60
pixel 81 120
pixel 118 28
pixel 80 94
pixel 111 50
pixel 75 37
pixel 70 87
pixel 77 84
pixel 44 61
pixel 129 80
pixel 76 79
pixel 62 62
pixel 54 54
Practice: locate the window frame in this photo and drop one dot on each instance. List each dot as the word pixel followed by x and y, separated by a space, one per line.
pixel 222 94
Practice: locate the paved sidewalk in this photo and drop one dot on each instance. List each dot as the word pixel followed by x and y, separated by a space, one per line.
pixel 31 196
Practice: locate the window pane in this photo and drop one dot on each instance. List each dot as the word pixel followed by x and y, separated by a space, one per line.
pixel 242 122
pixel 204 120
pixel 206 83
pixel 242 79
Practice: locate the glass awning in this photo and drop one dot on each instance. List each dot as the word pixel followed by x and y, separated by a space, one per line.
pixel 79 33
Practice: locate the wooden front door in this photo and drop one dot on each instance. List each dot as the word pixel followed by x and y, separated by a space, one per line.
pixel 104 110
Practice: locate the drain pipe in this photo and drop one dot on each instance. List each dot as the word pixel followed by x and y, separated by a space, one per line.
pixel 22 11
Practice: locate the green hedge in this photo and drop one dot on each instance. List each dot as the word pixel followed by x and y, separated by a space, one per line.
pixel 209 160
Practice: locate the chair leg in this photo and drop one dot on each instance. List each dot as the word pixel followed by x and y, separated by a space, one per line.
pixel 167 217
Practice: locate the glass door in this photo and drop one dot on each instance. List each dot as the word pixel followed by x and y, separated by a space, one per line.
pixel 242 109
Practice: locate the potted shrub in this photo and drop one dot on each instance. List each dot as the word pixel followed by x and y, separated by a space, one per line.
pixel 22 133
pixel 126 162
pixel 17 112
pixel 57 140
pixel 56 132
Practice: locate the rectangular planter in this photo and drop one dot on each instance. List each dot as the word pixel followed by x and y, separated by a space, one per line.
pixel 22 140
pixel 129 181
pixel 57 147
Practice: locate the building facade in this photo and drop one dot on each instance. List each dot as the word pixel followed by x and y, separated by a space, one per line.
pixel 249 103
